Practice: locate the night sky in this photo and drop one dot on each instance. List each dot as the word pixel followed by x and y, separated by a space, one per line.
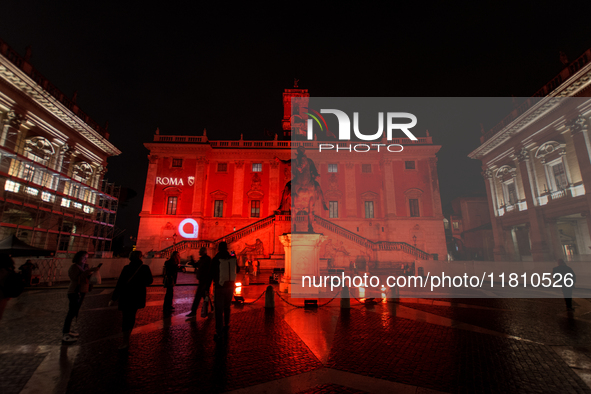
pixel 186 68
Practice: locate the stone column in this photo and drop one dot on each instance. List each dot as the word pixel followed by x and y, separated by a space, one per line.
pixel 150 184
pixel 389 192
pixel 537 230
pixel 499 249
pixel 350 190
pixel 11 128
pixel 532 177
pixel 437 210
pixel 275 190
pixel 285 285
pixel 579 128
pixel 555 239
pixel 238 195
pixel 67 153
pixel 199 188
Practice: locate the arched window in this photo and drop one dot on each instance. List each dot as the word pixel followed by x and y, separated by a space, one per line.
pixel 552 154
pixel 507 175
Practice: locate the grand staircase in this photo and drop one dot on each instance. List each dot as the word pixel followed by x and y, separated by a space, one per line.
pixel 229 238
pixel 270 221
pixel 375 246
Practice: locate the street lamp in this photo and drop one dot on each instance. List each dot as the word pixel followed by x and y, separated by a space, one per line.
pixel 414 238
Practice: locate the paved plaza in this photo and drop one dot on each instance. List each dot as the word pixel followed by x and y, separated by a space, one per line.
pixel 412 346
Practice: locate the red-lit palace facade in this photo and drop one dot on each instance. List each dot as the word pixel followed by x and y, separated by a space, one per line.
pixel 382 206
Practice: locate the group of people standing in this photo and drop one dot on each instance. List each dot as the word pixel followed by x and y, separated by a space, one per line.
pixel 130 291
pixel 221 271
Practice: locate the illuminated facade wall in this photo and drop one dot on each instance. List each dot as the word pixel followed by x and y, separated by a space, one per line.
pixel 52 161
pixel 226 186
pixel 537 170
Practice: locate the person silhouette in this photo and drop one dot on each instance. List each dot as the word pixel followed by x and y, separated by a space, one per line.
pixel 567 291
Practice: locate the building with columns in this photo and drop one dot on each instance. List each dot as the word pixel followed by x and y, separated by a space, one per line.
pixel 537 169
pixel 382 207
pixel 53 158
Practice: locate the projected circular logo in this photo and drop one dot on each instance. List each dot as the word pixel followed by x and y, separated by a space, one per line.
pixel 186 223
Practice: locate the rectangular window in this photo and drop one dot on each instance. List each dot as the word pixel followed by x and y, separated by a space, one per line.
pixel 222 167
pixel 31 191
pixel 65 203
pixel 218 208
pixel 414 207
pixel 12 186
pixel 47 197
pixel 369 209
pixel 333 209
pixel 333 168
pixel 177 163
pixel 257 167
pixel 559 176
pixel 27 172
pixel 409 165
pixel 366 168
pixel 455 225
pixel 255 209
pixel 171 205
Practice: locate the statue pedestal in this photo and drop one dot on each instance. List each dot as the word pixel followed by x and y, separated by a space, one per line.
pixel 300 222
pixel 302 258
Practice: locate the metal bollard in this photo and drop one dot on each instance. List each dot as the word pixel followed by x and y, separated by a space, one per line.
pixel 270 297
pixel 345 298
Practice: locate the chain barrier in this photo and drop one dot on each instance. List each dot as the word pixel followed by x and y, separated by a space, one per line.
pixel 303 306
pixel 252 302
pixel 287 302
pixel 331 300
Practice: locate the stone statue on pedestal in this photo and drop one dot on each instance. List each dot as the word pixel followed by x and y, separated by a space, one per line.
pixel 303 190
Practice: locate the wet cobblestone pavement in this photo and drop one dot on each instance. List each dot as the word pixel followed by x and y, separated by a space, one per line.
pixel 414 346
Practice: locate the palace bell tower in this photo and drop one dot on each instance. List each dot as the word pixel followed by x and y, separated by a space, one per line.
pixel 294 120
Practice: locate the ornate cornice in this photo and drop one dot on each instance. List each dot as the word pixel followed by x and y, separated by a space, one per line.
pixel 21 82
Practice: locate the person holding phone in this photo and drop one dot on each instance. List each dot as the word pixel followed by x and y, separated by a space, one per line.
pixel 79 275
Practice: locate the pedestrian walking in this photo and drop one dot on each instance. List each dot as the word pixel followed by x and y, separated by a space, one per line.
pixel 567 291
pixel 11 284
pixel 224 268
pixel 27 271
pixel 203 267
pixel 255 267
pixel 130 292
pixel 79 275
pixel 171 269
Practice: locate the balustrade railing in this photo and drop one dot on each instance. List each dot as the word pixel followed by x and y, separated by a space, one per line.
pixel 274 144
pixel 232 237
